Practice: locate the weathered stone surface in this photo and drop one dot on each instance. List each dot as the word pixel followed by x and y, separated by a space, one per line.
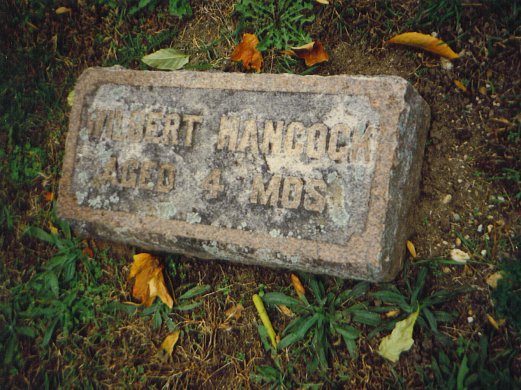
pixel 311 173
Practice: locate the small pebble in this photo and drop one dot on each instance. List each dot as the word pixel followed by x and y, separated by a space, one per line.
pixel 480 228
pixel 484 252
pixel 470 319
pixel 456 217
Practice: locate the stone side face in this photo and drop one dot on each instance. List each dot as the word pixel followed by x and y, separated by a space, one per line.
pixel 310 173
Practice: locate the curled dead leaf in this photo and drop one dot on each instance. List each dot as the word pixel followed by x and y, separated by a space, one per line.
pixel 63 10
pixel 149 282
pixel 411 248
pixel 297 285
pixel 493 279
pixel 285 310
pixel 312 53
pixel 425 42
pixel 234 312
pixel 460 85
pixel 247 52
pixel 168 344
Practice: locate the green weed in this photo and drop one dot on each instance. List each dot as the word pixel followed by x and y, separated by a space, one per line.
pixel 179 8
pixel 327 316
pixel 507 295
pixel 439 13
pixel 278 24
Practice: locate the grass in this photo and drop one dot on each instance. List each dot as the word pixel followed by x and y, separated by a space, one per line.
pixel 63 322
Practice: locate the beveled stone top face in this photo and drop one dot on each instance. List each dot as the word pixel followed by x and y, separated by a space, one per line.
pixel 278 163
pixel 313 173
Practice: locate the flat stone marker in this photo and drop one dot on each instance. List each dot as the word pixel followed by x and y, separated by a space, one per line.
pixel 309 173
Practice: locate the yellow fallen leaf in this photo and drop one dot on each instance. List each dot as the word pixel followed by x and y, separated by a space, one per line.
pixel 168 344
pixel 493 322
pixel 285 310
pixel 234 311
pixel 482 90
pixel 425 42
pixel 259 305
pixel 411 248
pixel 493 279
pixel 312 53
pixel 325 2
pixel 392 313
pixel 63 10
pixel 297 285
pixel 460 85
pixel 149 282
pixel 53 229
pixel 247 52
pixel 400 339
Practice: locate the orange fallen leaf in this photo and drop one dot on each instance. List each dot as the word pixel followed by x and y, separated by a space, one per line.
pixel 247 52
pixel 149 282
pixel 87 251
pixel 460 85
pixel 234 311
pixel 168 344
pixel 411 248
pixel 425 42
pixel 312 53
pixel 48 196
pixel 297 284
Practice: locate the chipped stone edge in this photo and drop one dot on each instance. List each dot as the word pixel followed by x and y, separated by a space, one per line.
pixel 362 263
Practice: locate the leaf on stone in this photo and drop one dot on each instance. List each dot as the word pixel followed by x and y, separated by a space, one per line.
pixel 411 248
pixel 70 98
pixel 149 283
pixel 425 42
pixel 247 52
pixel 400 339
pixel 297 285
pixel 166 59
pixel 168 344
pixel 312 53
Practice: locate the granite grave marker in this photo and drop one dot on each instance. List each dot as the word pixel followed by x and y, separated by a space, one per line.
pixel 310 173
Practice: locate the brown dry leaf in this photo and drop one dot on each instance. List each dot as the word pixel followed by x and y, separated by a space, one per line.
pixel 285 310
pixel 168 344
pixel 460 85
pixel 87 251
pixel 493 279
pixel 247 52
pixel 425 42
pixel 63 10
pixel 482 90
pixel 312 53
pixel 48 196
pixel 411 248
pixel 234 311
pixel 150 282
pixel 297 284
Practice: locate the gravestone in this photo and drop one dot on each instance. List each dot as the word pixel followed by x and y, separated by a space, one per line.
pixel 309 173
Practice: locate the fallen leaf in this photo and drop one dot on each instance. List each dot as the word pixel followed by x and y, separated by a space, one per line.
pixel 392 313
pixel 168 344
pixel 312 53
pixel 166 59
pixel 459 256
pixel 63 10
pixel 297 285
pixel 247 52
pixel 49 196
pixel 460 85
pixel 325 2
pixel 411 248
pixel 259 305
pixel 234 311
pixel 425 42
pixel 70 98
pixel 493 322
pixel 149 282
pixel 400 339
pixel 493 279
pixel 482 90
pixel 87 251
pixel 53 229
pixel 285 310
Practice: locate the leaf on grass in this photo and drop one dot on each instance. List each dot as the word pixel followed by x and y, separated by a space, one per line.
pixel 63 10
pixel 425 42
pixel 285 310
pixel 234 312
pixel 150 282
pixel 411 248
pixel 400 339
pixel 168 344
pixel 166 59
pixel 312 53
pixel 460 85
pixel 53 229
pixel 259 305
pixel 297 285
pixel 247 52
pixel 493 279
